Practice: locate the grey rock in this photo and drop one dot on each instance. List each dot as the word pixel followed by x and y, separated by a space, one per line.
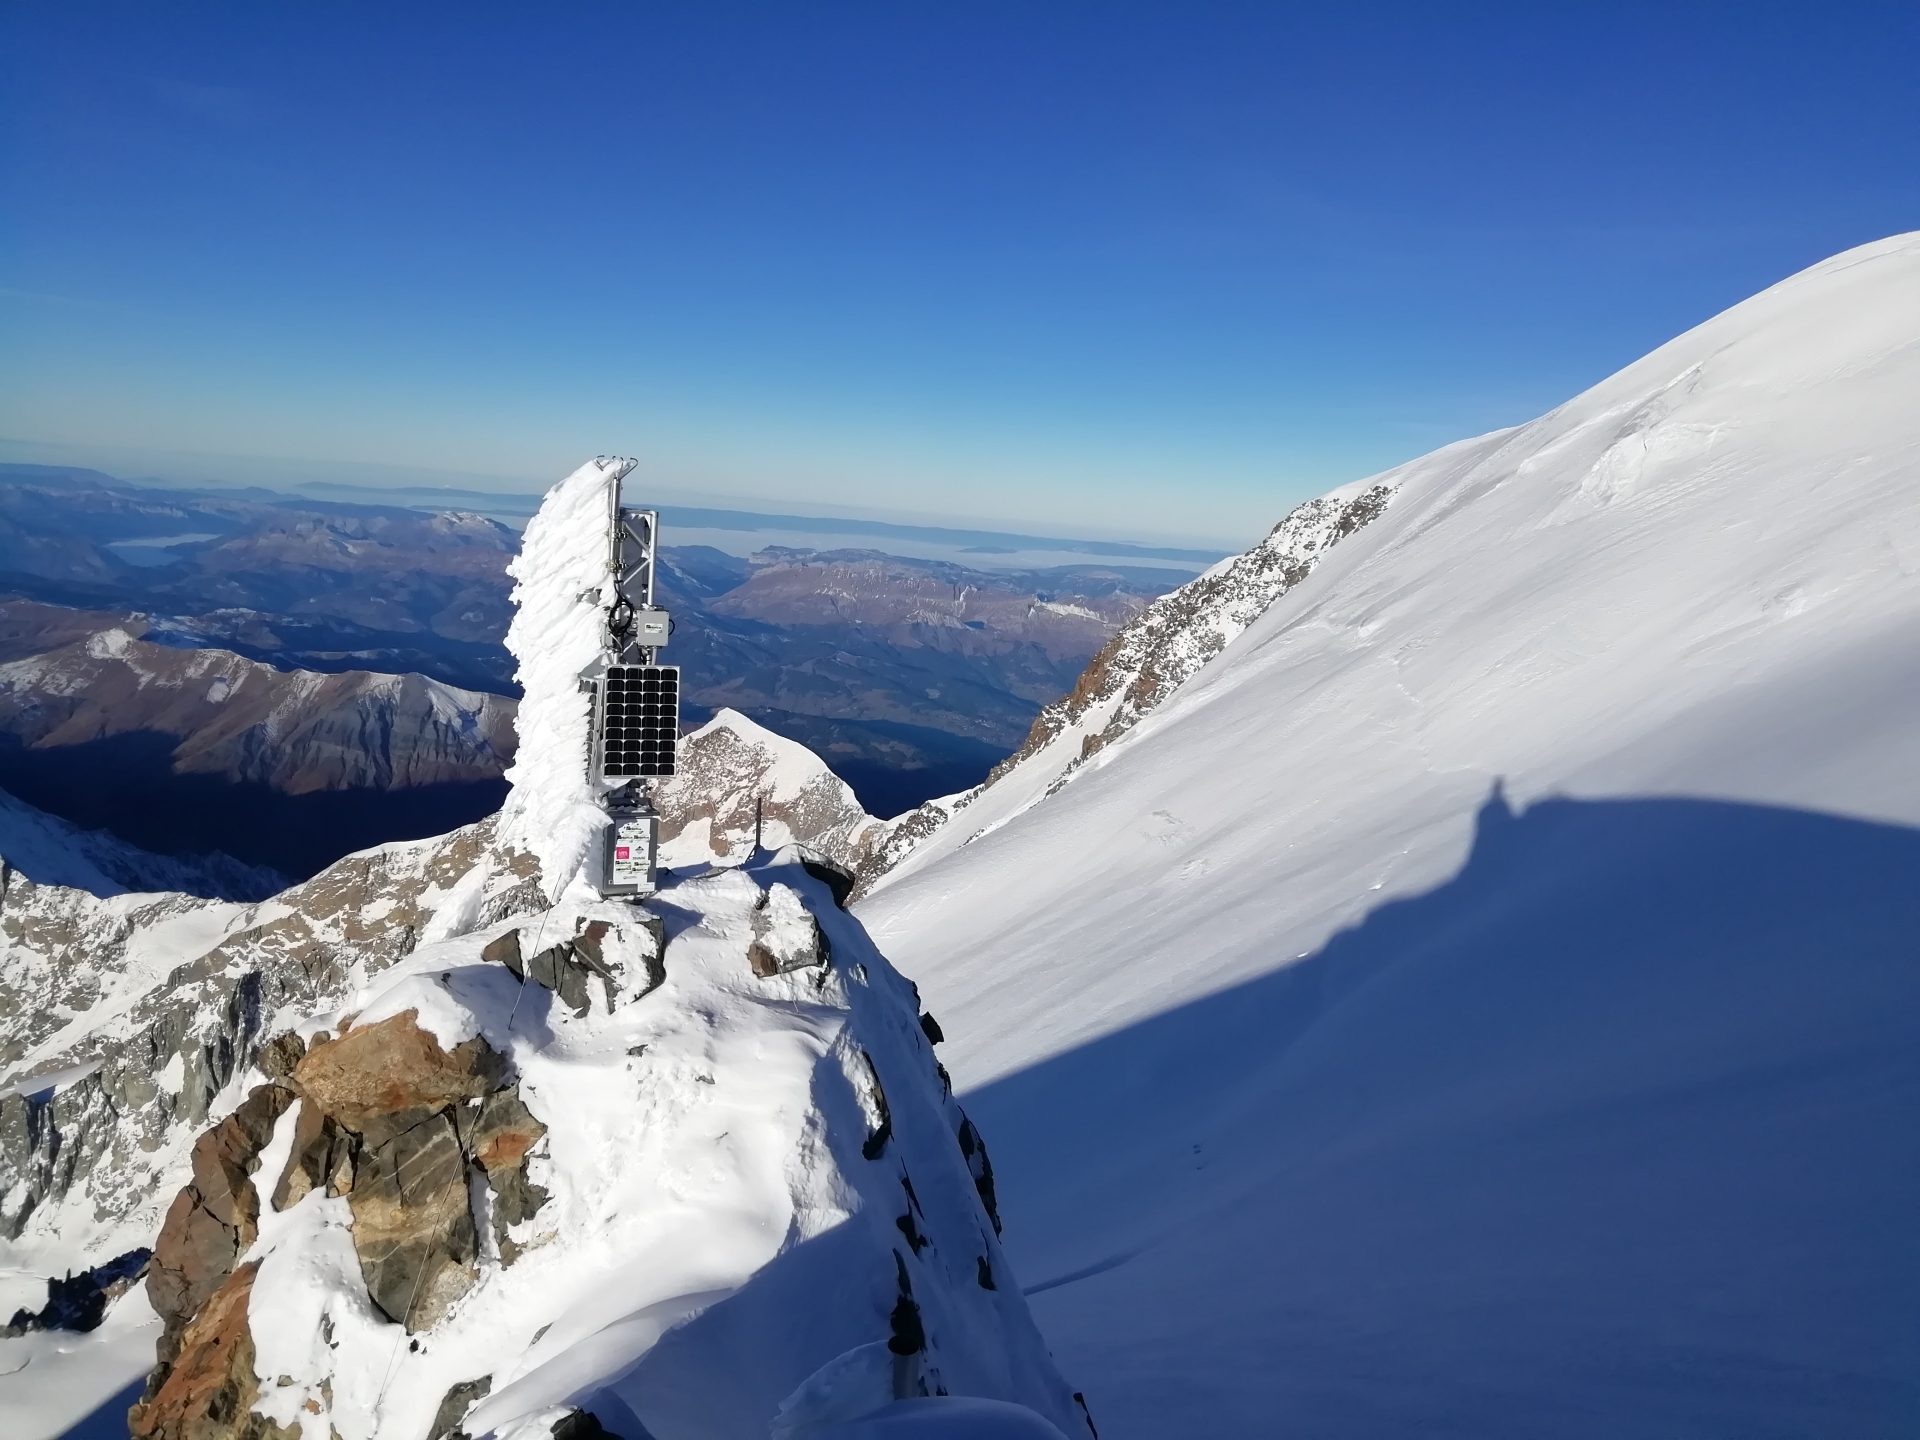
pixel 412 1222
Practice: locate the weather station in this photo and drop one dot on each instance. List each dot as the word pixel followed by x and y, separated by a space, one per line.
pixel 636 699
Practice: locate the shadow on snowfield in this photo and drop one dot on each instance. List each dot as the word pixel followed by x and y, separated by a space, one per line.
pixel 1615 1134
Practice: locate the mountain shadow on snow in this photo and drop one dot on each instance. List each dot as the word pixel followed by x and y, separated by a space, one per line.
pixel 1609 1135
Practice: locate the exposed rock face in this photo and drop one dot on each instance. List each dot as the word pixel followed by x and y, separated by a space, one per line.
pixel 384 1106
pixel 215 1218
pixel 390 1120
pixel 174 998
pixel 208 1393
pixel 476 1163
pixel 1146 661
pixel 573 969
pixel 380 1079
pixel 740 784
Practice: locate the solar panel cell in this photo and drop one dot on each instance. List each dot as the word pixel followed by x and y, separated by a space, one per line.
pixel 640 721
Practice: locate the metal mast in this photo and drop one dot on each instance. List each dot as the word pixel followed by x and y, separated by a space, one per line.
pixel 636 700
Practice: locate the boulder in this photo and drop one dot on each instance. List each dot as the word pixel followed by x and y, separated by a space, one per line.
pixel 321 1158
pixel 785 934
pixel 497 1138
pixel 215 1217
pixel 413 1221
pixel 378 1079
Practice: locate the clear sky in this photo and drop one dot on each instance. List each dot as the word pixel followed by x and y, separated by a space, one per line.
pixel 1117 268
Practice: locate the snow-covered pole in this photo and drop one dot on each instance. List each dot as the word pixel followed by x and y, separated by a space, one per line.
pixel 597 714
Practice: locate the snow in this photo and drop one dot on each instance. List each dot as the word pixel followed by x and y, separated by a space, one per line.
pixel 714 1232
pixel 50 851
pixel 47 1082
pixel 560 577
pixel 114 644
pixel 944 1418
pixel 57 1385
pixel 1482 1000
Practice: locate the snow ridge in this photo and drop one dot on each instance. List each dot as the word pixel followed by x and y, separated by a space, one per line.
pixel 1507 938
pixel 1145 663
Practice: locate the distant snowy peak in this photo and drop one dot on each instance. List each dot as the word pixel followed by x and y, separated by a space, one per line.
pixel 1144 663
pixel 298 731
pixel 740 784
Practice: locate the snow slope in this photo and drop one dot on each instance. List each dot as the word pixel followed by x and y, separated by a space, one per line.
pixel 721 1216
pixel 1483 1000
pixel 1146 660
pixel 49 851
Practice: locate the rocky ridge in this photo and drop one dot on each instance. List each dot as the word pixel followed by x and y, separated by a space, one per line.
pixel 741 784
pixel 129 1020
pixel 294 730
pixel 477 1143
pixel 1146 661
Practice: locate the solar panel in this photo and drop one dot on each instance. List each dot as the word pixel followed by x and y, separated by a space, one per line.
pixel 639 721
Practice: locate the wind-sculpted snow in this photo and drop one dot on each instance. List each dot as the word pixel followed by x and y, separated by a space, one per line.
pixel 560 579
pixel 1429 1066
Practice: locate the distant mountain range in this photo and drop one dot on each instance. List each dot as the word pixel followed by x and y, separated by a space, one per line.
pixel 912 677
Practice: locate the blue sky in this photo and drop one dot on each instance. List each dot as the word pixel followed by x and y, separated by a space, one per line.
pixel 1119 269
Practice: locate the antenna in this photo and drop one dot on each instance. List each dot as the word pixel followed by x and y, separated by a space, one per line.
pixel 636 700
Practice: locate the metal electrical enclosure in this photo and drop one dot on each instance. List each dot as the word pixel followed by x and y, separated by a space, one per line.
pixel 632 842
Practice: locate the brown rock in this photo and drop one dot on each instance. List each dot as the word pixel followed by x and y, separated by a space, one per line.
pixel 279 1055
pixel 215 1217
pixel 321 1158
pixel 500 1135
pixel 224 1157
pixel 209 1391
pixel 371 1078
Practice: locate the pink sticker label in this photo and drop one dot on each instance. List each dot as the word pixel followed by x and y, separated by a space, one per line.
pixel 621 852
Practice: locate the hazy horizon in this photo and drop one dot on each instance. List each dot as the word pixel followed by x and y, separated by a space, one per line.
pixel 1156 269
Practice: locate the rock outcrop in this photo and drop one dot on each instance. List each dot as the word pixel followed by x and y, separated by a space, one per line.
pixel 388 1119
pixel 735 1162
pixel 740 785
pixel 134 1019
pixel 1143 664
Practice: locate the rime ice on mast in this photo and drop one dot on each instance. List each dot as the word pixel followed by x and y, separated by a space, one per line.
pixel 636 700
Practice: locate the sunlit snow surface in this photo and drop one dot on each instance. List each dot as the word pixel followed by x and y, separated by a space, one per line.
pixel 715 1231
pixel 1483 1001
pixel 560 581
